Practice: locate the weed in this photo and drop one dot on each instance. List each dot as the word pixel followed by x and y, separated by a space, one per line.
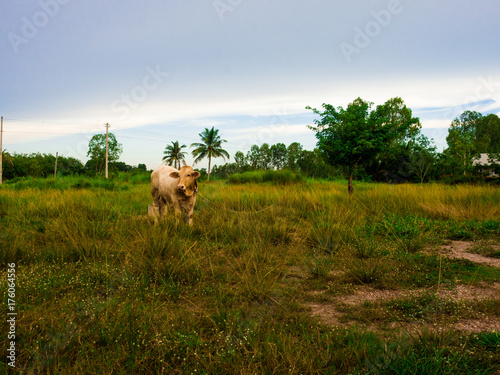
pixel 488 248
pixel 487 340
pixel 325 240
pixel 364 247
pixel 318 268
pixel 365 271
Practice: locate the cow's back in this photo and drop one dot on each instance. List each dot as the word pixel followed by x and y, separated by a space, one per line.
pixel 162 183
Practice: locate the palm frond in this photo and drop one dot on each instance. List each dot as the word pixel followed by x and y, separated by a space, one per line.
pixel 210 145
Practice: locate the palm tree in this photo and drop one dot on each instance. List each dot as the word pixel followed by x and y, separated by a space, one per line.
pixel 210 146
pixel 173 155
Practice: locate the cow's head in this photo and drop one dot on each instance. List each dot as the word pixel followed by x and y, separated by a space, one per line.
pixel 187 180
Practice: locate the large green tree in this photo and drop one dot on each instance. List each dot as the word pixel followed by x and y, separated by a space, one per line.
pixel 392 163
pixel 462 140
pixel 240 160
pixel 266 157
pixel 471 134
pixel 488 134
pixel 173 155
pixel 313 164
pixel 423 157
pixel 293 153
pixel 97 151
pixel 210 146
pixel 351 138
pixel 279 155
pixel 253 156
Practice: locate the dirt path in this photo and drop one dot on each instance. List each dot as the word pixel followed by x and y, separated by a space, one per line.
pixel 460 250
pixel 329 310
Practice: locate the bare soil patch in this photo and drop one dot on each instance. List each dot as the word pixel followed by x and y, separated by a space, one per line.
pixel 460 250
pixel 328 310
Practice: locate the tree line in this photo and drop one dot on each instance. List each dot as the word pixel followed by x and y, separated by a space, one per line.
pixel 386 143
pixel 278 156
pixel 43 165
pixel 360 142
pixel 382 143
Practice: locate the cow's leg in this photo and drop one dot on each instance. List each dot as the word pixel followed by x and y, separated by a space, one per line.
pixel 177 210
pixel 189 213
pixel 190 219
pixel 164 204
pixel 156 206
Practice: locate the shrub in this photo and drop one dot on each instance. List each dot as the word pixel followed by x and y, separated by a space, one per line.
pixel 280 177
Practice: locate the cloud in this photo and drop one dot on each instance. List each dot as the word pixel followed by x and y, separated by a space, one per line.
pixel 254 69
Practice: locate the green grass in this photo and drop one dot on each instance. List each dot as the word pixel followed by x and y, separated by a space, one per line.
pixel 101 289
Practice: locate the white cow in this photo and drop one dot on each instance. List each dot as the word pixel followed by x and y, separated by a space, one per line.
pixel 175 189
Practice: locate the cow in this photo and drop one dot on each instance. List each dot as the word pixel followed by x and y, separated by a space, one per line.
pixel 175 189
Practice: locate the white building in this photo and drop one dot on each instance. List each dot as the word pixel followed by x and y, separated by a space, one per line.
pixel 484 162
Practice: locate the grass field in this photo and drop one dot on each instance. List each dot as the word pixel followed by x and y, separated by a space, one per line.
pixel 302 280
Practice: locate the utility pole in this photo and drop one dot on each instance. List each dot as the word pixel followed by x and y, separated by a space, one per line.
pixel 55 168
pixel 107 127
pixel 1 149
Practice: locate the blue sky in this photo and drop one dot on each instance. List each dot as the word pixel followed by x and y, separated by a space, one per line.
pixel 161 71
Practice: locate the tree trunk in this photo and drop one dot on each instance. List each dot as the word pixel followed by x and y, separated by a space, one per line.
pixel 350 188
pixel 209 160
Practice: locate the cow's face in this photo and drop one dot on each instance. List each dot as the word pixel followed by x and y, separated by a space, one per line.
pixel 187 180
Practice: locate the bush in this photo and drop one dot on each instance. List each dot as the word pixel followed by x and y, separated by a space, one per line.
pixel 280 177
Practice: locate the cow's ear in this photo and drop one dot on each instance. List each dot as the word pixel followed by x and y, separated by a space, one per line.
pixel 174 174
pixel 196 174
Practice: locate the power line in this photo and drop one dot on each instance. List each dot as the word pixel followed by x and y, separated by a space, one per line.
pixel 154 134
pixel 121 136
pixel 144 139
pixel 133 133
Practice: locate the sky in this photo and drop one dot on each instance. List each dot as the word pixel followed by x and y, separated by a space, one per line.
pixel 163 70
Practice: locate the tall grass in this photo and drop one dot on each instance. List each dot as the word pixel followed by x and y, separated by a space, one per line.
pixel 102 289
